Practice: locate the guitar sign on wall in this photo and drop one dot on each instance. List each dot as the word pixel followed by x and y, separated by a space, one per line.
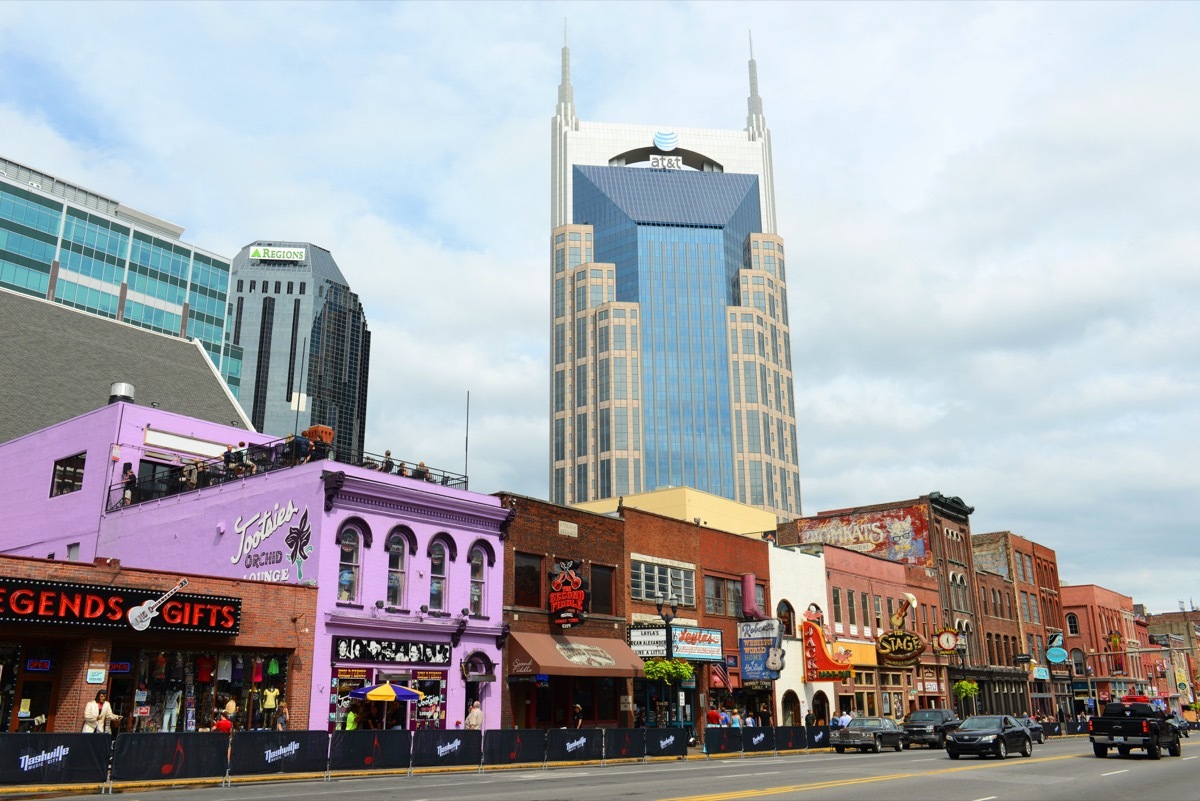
pixel 141 615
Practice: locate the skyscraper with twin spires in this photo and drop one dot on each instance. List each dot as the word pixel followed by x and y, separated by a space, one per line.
pixel 670 348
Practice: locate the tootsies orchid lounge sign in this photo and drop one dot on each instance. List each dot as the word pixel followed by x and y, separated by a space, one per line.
pixel 59 603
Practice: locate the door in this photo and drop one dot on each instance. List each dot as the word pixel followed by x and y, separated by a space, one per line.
pixel 34 699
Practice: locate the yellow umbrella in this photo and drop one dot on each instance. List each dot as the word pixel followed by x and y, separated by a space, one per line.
pixel 386 693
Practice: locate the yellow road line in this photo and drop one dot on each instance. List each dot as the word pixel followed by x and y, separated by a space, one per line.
pixel 799 788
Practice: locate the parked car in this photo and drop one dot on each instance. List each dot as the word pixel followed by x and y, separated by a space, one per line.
pixel 989 735
pixel 869 734
pixel 930 726
pixel 1035 728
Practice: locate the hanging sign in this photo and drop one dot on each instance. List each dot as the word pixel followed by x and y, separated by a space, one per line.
pixel 568 594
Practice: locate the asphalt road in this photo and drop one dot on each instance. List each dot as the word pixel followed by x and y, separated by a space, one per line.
pixel 1060 770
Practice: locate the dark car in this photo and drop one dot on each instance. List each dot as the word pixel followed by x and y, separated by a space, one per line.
pixel 930 726
pixel 1035 728
pixel 989 735
pixel 1179 723
pixel 868 734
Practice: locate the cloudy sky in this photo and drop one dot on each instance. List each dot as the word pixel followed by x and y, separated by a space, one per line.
pixel 990 212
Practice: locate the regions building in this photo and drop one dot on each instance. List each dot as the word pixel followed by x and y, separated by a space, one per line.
pixel 671 346
pixel 306 343
pixel 77 248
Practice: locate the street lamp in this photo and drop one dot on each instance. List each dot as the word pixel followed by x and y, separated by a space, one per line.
pixel 671 603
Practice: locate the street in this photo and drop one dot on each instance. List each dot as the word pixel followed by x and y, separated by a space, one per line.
pixel 1060 770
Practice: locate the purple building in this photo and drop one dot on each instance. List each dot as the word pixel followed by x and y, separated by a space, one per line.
pixel 408 572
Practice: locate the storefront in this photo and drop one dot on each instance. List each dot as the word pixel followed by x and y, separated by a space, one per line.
pixel 548 674
pixel 167 650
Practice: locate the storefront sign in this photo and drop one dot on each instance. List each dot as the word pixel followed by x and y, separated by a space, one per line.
pixel 648 641
pixel 1041 674
pixel 568 594
pixel 701 645
pixel 819 665
pixel 397 651
pixel 945 642
pixel 901 535
pixel 759 646
pixel 899 648
pixel 59 603
pixel 97 669
pixel 271 539
pixel 38 665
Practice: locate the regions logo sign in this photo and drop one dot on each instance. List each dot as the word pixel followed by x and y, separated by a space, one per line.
pixel 901 535
pixel 264 253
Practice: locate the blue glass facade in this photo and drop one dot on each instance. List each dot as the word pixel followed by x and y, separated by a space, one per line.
pixel 171 288
pixel 676 239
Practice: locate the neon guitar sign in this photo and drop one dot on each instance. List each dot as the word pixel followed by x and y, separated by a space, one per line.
pixel 141 615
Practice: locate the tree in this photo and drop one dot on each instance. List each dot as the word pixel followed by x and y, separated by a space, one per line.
pixel 668 670
pixel 965 688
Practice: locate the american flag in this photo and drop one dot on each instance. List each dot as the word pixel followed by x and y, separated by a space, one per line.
pixel 719 671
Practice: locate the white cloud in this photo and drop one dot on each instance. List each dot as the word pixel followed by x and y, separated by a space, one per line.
pixel 988 208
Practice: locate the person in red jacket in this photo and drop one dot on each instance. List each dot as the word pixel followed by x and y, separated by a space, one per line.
pixel 223 724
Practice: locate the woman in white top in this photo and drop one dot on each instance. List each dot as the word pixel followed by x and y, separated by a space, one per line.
pixel 98 715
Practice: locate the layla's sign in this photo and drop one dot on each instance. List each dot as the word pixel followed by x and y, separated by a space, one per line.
pixel 899 648
pixel 700 645
pixel 277 254
pixel 568 594
pixel 56 603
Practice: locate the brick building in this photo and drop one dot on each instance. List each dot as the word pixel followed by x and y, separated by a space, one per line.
pixel 65 633
pixel 552 661
pixel 1099 633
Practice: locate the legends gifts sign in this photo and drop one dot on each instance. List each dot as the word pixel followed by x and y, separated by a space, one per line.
pixel 568 596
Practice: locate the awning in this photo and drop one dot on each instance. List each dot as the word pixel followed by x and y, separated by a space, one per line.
pixel 735 682
pixel 558 655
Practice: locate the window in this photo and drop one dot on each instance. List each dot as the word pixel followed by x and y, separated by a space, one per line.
pixel 239 285
pixel 68 475
pixel 302 283
pixel 291 287
pixel 395 578
pixel 348 546
pixel 437 577
pixel 1073 624
pixel 850 609
pixel 1025 606
pixel 647 580
pixel 527 580
pixel 787 618
pixel 862 607
pixel 878 613
pixel 714 595
pixel 602 602
pixel 837 605
pixel 252 285
pixel 277 287
pixel 478 566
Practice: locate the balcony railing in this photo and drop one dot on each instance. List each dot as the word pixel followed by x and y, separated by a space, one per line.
pixel 196 474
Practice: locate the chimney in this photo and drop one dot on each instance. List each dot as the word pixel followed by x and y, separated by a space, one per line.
pixel 120 391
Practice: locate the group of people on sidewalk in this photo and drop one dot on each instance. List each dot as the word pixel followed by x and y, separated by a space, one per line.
pixel 737 718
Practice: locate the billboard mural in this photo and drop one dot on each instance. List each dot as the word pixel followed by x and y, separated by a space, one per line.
pixel 901 535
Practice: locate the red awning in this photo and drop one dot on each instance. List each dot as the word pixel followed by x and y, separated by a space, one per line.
pixel 558 655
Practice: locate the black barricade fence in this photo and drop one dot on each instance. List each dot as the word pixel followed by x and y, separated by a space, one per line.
pixel 757 738
pixel 444 748
pixel 1052 729
pixel 279 752
pixel 627 743
pixel 510 746
pixel 191 755
pixel 723 740
pixel 574 745
pixel 667 742
pixel 370 750
pixel 53 758
pixel 818 736
pixel 790 738
pixel 1073 727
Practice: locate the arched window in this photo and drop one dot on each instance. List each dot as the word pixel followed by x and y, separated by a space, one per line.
pixel 787 618
pixel 1077 662
pixel 397 543
pixel 478 561
pixel 1073 624
pixel 437 577
pixel 349 542
pixel 991 646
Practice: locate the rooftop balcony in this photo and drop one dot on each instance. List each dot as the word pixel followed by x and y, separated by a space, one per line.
pixel 187 474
